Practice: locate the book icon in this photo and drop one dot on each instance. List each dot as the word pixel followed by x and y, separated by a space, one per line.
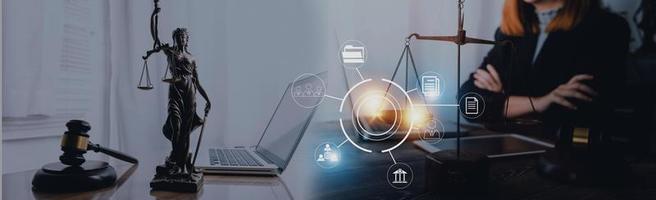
pixel 471 106
pixel 353 54
pixel 430 85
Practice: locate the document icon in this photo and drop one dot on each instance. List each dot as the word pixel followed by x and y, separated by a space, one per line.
pixel 471 104
pixel 353 54
pixel 430 85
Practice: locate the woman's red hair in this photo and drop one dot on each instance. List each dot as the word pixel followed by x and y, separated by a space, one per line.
pixel 518 16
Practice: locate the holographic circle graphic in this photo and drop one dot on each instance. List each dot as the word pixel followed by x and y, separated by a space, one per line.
pixel 375 100
pixel 384 134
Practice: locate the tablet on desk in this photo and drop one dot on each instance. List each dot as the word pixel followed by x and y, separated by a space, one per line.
pixel 494 146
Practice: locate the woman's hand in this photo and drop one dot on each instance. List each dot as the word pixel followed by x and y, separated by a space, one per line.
pixel 488 80
pixel 565 92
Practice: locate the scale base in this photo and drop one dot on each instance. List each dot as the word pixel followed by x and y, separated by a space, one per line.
pixel 60 178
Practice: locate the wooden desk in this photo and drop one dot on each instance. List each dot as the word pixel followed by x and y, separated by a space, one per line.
pixel 362 176
pixel 133 183
pixel 359 175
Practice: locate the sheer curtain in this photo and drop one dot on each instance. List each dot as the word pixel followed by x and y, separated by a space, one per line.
pixel 137 116
pixel 54 69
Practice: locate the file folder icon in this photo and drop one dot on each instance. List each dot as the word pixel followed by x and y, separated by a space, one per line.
pixel 353 54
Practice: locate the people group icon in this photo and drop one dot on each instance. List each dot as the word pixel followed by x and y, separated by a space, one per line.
pixel 327 154
pixel 308 90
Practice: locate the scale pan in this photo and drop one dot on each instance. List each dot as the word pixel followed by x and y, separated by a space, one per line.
pixel 150 87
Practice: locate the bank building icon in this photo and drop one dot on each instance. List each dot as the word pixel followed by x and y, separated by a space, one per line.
pixel 399 176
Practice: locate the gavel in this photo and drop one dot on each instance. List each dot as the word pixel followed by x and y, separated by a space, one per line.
pixel 75 143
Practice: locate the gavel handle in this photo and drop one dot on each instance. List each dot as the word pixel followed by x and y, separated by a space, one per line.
pixel 112 153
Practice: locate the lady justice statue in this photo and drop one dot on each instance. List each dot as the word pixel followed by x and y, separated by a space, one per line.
pixel 178 172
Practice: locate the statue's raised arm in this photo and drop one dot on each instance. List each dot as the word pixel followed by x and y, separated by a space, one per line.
pixel 154 22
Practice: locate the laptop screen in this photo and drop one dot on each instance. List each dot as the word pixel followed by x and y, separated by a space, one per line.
pixel 285 129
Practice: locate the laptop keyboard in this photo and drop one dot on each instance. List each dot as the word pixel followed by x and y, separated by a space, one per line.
pixel 232 157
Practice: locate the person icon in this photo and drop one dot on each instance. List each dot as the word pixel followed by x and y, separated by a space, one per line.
pixel 321 158
pixel 429 133
pixel 327 148
pixel 308 90
pixel 298 91
pixel 329 154
pixel 432 130
pixel 318 92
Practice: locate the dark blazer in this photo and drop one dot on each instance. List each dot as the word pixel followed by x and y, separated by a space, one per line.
pixel 598 45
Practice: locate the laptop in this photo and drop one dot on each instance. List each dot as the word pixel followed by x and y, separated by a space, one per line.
pixel 275 148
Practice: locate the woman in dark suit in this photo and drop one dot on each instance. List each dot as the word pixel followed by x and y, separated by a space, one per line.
pixel 564 63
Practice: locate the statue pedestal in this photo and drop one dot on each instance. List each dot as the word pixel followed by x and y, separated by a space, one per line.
pixel 165 181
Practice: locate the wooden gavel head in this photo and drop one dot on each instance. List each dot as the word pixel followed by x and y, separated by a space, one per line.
pixel 74 142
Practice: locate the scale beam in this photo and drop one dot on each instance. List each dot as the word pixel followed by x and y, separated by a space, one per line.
pixel 460 39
